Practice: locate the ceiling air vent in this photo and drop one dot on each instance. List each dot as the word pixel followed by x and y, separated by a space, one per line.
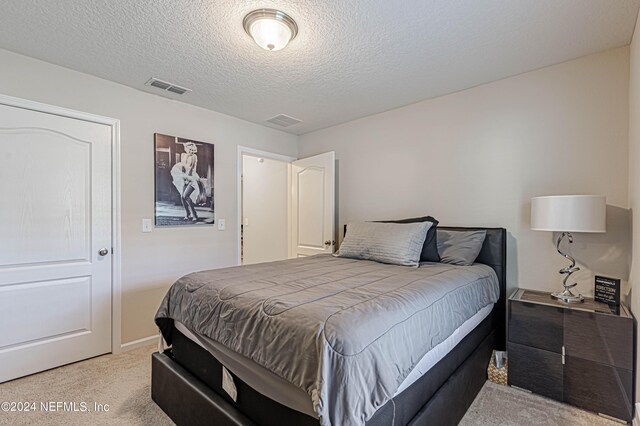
pixel 166 86
pixel 283 120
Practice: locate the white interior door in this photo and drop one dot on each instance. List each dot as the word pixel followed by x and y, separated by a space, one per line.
pixel 313 205
pixel 55 225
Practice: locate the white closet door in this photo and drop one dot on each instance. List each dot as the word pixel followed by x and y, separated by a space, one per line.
pixel 55 240
pixel 313 205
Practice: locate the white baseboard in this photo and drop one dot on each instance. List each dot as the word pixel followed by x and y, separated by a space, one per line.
pixel 636 418
pixel 129 346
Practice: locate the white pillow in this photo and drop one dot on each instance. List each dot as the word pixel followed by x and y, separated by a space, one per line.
pixel 395 243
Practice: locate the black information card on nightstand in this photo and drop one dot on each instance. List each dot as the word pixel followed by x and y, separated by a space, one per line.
pixel 607 290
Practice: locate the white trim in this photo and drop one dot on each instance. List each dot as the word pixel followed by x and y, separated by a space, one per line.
pixel 116 241
pixel 242 150
pixel 145 341
pixel 636 418
pixel 56 110
pixel 116 231
pixel 290 241
pixel 265 154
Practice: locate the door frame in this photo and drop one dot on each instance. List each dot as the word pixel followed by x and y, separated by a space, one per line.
pixel 245 150
pixel 116 224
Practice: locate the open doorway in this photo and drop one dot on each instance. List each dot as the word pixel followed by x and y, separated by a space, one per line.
pixel 264 206
pixel 286 207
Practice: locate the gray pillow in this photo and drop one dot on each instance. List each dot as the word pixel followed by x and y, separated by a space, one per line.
pixel 395 243
pixel 460 247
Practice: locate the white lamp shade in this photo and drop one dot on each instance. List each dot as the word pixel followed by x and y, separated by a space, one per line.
pixel 569 213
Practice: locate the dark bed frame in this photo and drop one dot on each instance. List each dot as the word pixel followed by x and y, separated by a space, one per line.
pixel 186 380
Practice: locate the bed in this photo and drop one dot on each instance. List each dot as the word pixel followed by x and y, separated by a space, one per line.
pixel 410 366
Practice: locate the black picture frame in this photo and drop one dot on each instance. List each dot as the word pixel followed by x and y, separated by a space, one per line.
pixel 183 181
pixel 607 290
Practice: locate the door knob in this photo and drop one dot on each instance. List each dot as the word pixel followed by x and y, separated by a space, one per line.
pixel 103 252
pixel 329 243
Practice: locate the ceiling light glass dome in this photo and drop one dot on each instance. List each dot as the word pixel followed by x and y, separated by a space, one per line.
pixel 271 29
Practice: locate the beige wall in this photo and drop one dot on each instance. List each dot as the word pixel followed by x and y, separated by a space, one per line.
pixel 151 262
pixel 634 173
pixel 477 157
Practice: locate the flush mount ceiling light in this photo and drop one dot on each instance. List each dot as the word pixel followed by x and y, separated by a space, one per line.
pixel 271 29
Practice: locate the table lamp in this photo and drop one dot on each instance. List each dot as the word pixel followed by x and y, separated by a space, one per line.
pixel 568 214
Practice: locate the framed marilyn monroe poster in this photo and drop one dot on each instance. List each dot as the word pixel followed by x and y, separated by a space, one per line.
pixel 183 182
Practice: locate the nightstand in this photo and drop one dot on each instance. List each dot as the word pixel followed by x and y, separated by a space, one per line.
pixel 582 353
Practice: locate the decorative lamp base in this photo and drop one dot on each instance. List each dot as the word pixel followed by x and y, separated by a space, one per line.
pixel 567 296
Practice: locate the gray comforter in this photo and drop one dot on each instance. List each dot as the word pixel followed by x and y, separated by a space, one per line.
pixel 345 331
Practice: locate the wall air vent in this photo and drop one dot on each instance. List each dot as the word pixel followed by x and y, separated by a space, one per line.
pixel 166 86
pixel 283 120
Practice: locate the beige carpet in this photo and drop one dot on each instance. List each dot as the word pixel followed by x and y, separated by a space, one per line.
pixel 501 406
pixel 122 381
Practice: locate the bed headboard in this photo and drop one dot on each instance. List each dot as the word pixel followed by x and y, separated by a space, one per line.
pixel 493 254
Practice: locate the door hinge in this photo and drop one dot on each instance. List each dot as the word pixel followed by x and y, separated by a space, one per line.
pixel 562 354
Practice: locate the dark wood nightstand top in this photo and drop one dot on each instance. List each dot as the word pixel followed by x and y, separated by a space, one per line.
pixel 589 305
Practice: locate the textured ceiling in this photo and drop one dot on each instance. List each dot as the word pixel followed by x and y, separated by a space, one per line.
pixel 352 58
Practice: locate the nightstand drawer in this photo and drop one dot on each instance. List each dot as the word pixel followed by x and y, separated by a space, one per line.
pixel 599 338
pixel 597 387
pixel 536 370
pixel 536 325
pixel 579 353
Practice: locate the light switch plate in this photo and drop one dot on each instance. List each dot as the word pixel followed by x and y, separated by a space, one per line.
pixel 146 225
pixel 221 225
